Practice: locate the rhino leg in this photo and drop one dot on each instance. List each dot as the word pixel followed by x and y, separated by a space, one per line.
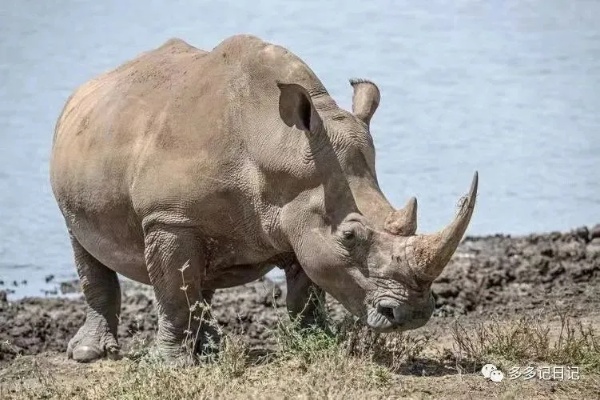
pixel 175 265
pixel 305 300
pixel 97 338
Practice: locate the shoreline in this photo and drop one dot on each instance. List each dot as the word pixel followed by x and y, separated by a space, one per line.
pixel 51 285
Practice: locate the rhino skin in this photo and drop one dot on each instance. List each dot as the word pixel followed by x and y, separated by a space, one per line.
pixel 192 171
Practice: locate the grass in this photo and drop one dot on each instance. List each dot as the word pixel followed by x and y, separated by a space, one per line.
pixel 344 360
pixel 529 340
pixel 347 361
pixel 349 358
pixel 300 364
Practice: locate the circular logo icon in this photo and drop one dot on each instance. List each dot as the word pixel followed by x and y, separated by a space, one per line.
pixel 487 369
pixel 496 376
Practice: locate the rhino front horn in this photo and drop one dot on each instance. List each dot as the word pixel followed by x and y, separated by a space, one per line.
pixel 432 252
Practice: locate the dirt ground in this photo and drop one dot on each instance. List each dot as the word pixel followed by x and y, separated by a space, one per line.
pixel 499 277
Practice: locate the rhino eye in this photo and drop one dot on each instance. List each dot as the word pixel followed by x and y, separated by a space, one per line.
pixel 349 236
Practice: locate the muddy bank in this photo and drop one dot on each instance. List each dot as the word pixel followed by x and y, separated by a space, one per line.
pixel 35 325
pixel 502 274
pixel 488 275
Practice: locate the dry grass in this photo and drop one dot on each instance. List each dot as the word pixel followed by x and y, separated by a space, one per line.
pixel 529 340
pixel 302 365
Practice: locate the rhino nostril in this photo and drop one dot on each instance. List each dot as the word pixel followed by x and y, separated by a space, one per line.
pixel 388 312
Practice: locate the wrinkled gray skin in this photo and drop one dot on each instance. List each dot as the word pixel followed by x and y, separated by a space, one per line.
pixel 207 169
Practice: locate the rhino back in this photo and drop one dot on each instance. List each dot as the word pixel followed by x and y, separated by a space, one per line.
pixel 110 122
pixel 183 134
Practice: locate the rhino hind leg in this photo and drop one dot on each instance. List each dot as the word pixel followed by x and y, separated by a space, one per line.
pixel 97 338
pixel 305 301
pixel 176 264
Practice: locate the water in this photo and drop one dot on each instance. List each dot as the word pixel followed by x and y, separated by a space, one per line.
pixel 509 88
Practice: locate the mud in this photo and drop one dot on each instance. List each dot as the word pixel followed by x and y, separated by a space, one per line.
pixel 503 275
pixel 492 275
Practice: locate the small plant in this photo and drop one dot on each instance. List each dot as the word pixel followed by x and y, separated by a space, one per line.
pixel 577 343
pixel 529 340
pixel 233 356
pixel 139 346
pixel 207 330
pixel 390 349
pixel 306 343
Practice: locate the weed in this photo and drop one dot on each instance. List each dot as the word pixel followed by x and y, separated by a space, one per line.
pixel 529 340
pixel 390 349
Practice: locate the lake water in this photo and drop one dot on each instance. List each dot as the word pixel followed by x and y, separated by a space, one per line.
pixel 510 88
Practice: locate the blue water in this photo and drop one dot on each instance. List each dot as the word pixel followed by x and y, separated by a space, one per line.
pixel 510 88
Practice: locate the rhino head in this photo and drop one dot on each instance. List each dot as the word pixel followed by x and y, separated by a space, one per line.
pixel 346 235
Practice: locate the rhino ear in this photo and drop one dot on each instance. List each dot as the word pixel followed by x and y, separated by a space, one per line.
pixel 296 107
pixel 365 99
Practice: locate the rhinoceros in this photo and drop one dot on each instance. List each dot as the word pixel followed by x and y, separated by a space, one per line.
pixel 192 170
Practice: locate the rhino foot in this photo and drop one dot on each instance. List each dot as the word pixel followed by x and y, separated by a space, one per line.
pixel 89 346
pixel 97 338
pixel 186 353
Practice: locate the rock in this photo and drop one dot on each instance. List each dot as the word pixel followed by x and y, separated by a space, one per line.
pixel 584 273
pixel 593 249
pixel 541 264
pixel 571 250
pixel 582 233
pixel 595 232
pixel 270 298
pixel 556 271
pixel 547 251
pixel 70 287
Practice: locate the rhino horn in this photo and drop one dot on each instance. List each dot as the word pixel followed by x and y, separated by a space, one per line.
pixel 403 222
pixel 429 254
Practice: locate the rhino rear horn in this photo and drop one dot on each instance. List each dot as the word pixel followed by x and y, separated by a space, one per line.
pixel 403 222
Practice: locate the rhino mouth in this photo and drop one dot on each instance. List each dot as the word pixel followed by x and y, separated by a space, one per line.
pixel 381 315
pixel 390 315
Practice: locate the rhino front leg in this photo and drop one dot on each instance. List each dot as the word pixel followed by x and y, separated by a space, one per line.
pixel 176 265
pixel 304 300
pixel 97 337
